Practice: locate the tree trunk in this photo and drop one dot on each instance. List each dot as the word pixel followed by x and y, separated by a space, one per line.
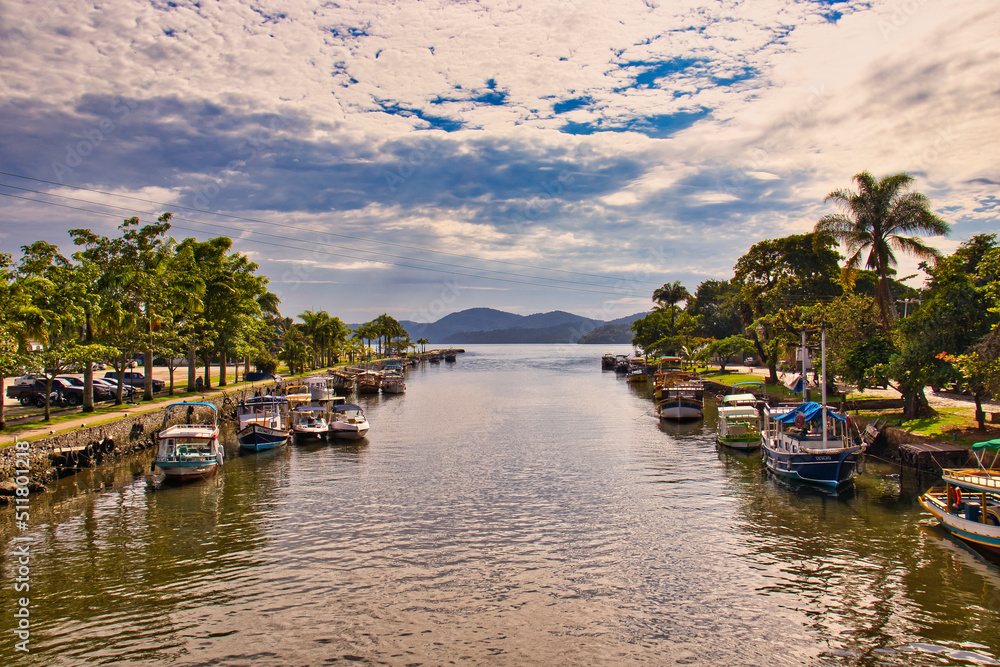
pixel 192 368
pixel 980 415
pixel 88 366
pixel 222 370
pixel 207 358
pixel 915 405
pixel 3 422
pixel 147 390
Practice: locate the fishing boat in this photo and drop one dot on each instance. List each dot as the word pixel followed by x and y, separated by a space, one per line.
pixel 810 442
pixel 680 403
pixel 968 504
pixel 188 443
pixel 608 361
pixel 309 422
pixel 369 382
pixel 621 364
pixel 263 423
pixel 348 422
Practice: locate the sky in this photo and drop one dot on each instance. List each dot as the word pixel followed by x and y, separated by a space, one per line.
pixel 420 158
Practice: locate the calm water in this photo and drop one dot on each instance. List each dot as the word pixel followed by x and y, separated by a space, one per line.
pixel 518 507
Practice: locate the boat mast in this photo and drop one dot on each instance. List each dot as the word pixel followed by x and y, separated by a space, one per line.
pixel 822 353
pixel 803 353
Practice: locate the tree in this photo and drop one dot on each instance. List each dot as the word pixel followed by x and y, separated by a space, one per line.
pixel 727 348
pixel 16 325
pixel 669 295
pixel 716 303
pixel 422 342
pixel 774 277
pixel 878 218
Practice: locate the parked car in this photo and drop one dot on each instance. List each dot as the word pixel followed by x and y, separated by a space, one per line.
pixel 100 393
pixel 750 361
pixel 135 379
pixel 63 392
pixel 128 391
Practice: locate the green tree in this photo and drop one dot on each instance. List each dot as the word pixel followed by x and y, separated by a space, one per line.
pixel 716 304
pixel 879 218
pixel 422 342
pixel 727 348
pixel 668 296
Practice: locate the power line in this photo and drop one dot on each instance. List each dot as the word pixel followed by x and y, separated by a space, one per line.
pixel 316 231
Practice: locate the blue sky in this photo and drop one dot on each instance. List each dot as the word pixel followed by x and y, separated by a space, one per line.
pixel 418 158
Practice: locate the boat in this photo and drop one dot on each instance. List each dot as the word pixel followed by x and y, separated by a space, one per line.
pixel 369 382
pixel 298 394
pixel 309 422
pixel 263 423
pixel 968 504
pixel 321 388
pixel 680 403
pixel 348 422
pixel 637 375
pixel 608 361
pixel 810 442
pixel 393 384
pixel 188 443
pixel 739 426
pixel 450 356
pixel 621 363
pixel 343 382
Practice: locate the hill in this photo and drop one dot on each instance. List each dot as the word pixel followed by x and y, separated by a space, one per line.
pixel 487 325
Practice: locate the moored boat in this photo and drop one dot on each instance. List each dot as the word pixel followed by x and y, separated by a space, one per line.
pixel 968 504
pixel 393 384
pixel 369 382
pixel 263 423
pixel 680 404
pixel 608 361
pixel 309 422
pixel 810 442
pixel 188 443
pixel 348 422
pixel 739 427
pixel 298 394
pixel 321 388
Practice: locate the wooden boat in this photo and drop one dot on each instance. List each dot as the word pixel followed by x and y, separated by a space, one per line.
pixel 263 423
pixel 680 404
pixel 621 364
pixel 369 382
pixel 739 425
pixel 637 375
pixel 968 504
pixel 309 422
pixel 298 394
pixel 343 383
pixel 393 384
pixel 188 443
pixel 608 361
pixel 810 442
pixel 348 422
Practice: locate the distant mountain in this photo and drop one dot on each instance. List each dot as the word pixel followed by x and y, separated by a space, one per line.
pixel 487 325
pixel 615 332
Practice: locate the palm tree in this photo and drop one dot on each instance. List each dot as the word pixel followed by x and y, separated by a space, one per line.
pixel 670 294
pixel 877 218
pixel 423 344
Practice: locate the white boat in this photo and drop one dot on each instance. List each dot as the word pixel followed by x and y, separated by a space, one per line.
pixel 263 423
pixel 309 422
pixel 393 384
pixel 321 388
pixel 348 422
pixel 188 443
pixel 680 404
pixel 739 427
pixel 968 505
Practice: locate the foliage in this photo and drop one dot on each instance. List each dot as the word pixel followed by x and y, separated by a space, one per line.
pixel 716 304
pixel 878 218
pixel 729 347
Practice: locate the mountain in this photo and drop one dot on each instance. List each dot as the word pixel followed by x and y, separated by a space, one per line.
pixel 487 325
pixel 615 332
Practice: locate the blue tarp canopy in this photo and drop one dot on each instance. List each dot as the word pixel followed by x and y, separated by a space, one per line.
pixel 809 412
pixel 344 407
pixel 988 444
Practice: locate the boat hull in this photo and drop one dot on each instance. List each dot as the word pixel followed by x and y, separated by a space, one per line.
pixel 682 409
pixel 181 470
pixel 257 438
pixel 347 433
pixel 832 468
pixel 972 531
pixel 746 444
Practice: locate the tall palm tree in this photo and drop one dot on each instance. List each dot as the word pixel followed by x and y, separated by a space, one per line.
pixel 670 294
pixel 423 344
pixel 878 218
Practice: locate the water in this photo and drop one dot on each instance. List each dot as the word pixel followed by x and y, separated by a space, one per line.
pixel 518 507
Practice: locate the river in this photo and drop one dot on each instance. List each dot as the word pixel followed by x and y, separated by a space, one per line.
pixel 517 507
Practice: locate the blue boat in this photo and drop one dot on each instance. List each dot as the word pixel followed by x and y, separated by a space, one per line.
pixel 263 423
pixel 968 504
pixel 810 442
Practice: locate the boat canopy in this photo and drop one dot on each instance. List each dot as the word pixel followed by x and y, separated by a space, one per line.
pixel 988 444
pixel 749 384
pixel 738 412
pixel 310 408
pixel 810 411
pixel 739 398
pixel 184 405
pixel 344 407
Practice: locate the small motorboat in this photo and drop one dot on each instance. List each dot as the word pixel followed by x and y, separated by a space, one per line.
pixel 309 422
pixel 348 422
pixel 188 443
